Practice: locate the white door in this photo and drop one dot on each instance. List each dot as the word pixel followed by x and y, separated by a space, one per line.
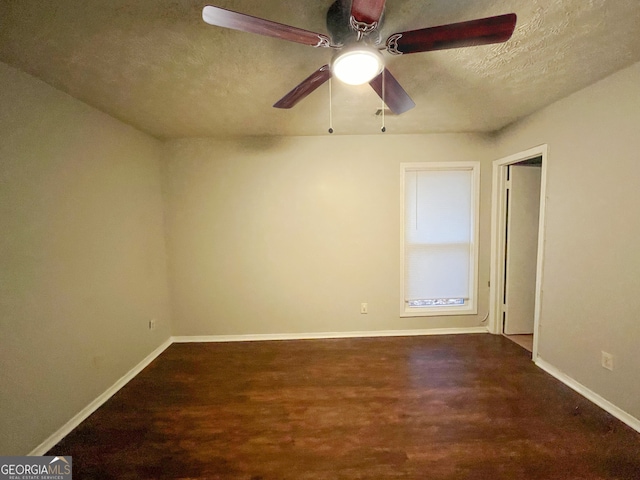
pixel 523 210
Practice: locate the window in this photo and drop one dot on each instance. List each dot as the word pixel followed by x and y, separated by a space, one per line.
pixel 439 238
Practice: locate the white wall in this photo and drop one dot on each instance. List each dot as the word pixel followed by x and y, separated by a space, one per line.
pixel 591 277
pixel 82 259
pixel 290 235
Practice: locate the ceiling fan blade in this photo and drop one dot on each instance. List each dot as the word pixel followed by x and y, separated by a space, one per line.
pixel 307 86
pixel 395 96
pixel 222 17
pixel 367 11
pixel 465 34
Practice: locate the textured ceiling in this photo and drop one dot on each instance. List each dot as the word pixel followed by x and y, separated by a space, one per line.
pixel 156 65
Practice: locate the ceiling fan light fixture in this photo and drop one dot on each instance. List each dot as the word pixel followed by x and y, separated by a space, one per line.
pixel 357 65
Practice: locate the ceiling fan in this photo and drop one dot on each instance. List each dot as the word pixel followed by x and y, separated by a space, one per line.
pixel 355 37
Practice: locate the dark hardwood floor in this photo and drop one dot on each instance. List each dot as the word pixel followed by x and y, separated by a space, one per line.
pixel 440 407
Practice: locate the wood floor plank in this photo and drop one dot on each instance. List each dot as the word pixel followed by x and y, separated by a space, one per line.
pixel 441 407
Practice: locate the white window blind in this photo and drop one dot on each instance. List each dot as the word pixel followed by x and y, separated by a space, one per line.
pixel 439 243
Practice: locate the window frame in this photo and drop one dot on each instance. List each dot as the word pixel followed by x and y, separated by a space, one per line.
pixel 471 306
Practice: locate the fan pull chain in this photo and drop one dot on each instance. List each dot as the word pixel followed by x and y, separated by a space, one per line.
pixel 383 129
pixel 330 109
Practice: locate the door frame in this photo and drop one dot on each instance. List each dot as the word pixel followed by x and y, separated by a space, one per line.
pixel 498 227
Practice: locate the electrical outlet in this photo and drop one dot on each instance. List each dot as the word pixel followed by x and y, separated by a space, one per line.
pixel 364 308
pixel 607 360
pixel 152 324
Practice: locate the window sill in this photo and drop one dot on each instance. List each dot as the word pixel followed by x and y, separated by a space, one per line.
pixel 438 312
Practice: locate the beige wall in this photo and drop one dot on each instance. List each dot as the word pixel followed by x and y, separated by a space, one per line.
pixel 591 279
pixel 290 235
pixel 279 235
pixel 82 261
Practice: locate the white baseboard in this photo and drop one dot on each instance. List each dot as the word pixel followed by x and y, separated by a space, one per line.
pixel 325 335
pixel 50 442
pixel 606 405
pixel 57 436
pixel 99 401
